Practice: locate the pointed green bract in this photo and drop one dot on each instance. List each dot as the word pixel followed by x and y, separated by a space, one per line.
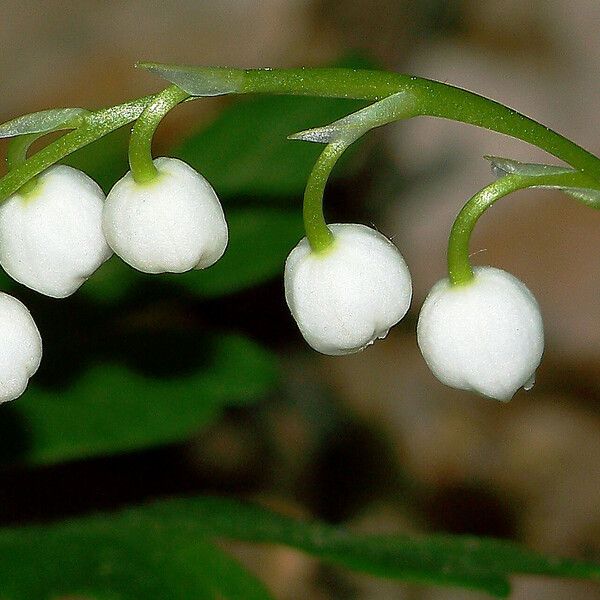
pixel 506 166
pixel 198 81
pixel 348 129
pixel 43 121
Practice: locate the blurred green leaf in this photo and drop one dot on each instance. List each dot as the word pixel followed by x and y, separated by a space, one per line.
pixel 111 409
pixel 476 563
pixel 260 240
pixel 120 558
pixel 112 281
pixel 225 576
pixel 104 160
pixel 245 151
pixel 163 551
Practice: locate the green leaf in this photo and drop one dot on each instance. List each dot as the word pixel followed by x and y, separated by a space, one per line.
pixel 104 160
pixel 245 151
pixel 122 557
pixel 111 409
pixel 476 563
pixel 260 240
pixel 225 576
pixel 43 121
pixel 164 551
pixel 112 281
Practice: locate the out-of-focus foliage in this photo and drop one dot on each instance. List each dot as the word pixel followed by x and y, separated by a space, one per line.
pixel 259 241
pixel 112 409
pixel 245 152
pixel 165 551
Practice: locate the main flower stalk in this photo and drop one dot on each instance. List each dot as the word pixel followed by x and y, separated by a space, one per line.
pixel 431 99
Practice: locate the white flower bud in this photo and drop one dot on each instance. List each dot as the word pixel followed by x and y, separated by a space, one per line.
pixel 171 225
pixel 20 347
pixel 52 240
pixel 485 336
pixel 346 297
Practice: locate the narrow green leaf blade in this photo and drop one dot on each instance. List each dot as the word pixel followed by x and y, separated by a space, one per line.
pixel 162 551
pixel 225 576
pixel 102 558
pixel 43 121
pixel 111 409
pixel 476 563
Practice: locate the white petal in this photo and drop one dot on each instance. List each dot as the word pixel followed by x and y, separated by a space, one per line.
pixel 20 347
pixel 171 225
pixel 52 240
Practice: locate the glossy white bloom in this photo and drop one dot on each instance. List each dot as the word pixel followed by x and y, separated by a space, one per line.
pixel 20 347
pixel 345 298
pixel 170 225
pixel 52 240
pixel 486 336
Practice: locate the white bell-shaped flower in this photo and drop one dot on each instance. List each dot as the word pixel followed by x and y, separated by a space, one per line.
pixel 51 240
pixel 346 297
pixel 20 347
pixel 171 225
pixel 485 336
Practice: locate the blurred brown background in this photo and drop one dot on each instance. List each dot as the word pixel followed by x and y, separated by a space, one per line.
pixel 374 439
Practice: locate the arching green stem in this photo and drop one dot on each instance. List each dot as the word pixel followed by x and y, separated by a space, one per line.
pixel 140 145
pixel 318 234
pixel 433 99
pixel 460 271
pixel 430 98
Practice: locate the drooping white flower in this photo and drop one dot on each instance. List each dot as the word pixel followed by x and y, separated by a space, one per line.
pixel 485 336
pixel 20 347
pixel 51 240
pixel 346 297
pixel 171 225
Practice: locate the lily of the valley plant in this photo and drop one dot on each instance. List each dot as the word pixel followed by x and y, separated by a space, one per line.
pixel 346 284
